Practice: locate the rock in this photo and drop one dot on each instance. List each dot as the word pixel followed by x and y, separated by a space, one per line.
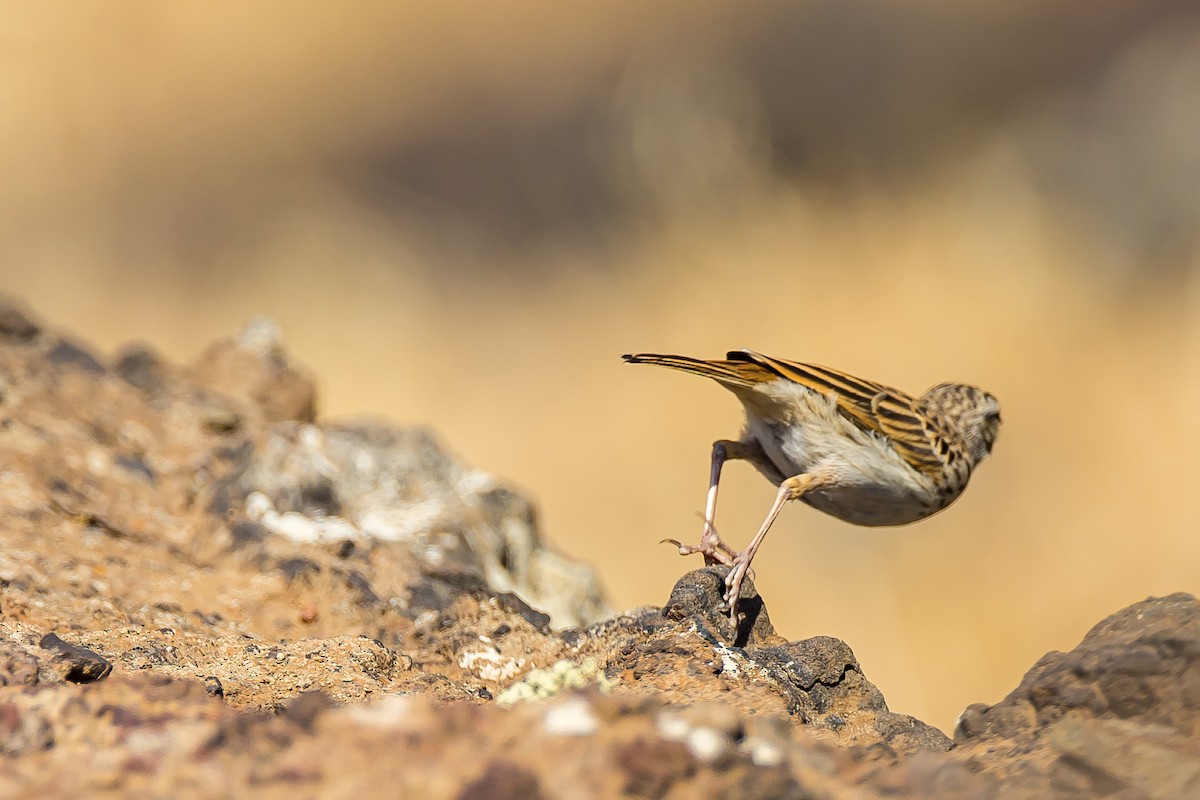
pixel 370 481
pixel 15 325
pixel 1140 663
pixel 254 367
pixel 288 606
pixel 503 780
pixel 77 664
pixel 699 595
pixel 1152 760
pixel 1119 713
pixel 685 652
pixel 142 367
pixel 17 666
pixel 72 356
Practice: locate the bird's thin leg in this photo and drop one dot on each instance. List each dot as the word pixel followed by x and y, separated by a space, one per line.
pixel 714 550
pixel 793 488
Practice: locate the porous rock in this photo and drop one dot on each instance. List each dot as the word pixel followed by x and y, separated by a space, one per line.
pixel 1119 713
pixel 259 601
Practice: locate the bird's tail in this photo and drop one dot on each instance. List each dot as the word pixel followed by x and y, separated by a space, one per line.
pixel 728 373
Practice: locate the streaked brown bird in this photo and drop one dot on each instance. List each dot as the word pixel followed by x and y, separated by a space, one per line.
pixel 853 448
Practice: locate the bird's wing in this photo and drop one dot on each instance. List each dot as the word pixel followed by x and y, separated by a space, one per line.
pixel 914 435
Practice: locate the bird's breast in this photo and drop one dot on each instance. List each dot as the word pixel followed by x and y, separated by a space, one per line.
pixel 870 483
pixel 871 504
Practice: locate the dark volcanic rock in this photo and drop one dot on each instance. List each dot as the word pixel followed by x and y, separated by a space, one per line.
pixel 78 664
pixel 686 653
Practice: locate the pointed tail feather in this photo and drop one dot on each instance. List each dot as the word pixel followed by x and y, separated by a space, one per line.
pixel 729 373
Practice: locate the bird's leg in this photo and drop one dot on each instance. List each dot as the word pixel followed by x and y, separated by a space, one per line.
pixel 793 488
pixel 713 549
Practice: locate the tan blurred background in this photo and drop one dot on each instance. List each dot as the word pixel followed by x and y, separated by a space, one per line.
pixel 463 216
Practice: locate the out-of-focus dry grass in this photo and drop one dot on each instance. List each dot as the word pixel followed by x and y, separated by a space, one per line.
pixel 464 217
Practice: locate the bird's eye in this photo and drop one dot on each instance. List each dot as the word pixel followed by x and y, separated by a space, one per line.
pixel 993 416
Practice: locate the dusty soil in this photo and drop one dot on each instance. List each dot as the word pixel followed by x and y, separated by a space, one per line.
pixel 207 590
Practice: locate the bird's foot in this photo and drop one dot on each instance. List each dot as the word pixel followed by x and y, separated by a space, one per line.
pixel 711 547
pixel 733 583
pixel 719 553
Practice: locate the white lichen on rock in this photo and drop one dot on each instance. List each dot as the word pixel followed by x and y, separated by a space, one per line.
pixel 540 684
pixel 369 480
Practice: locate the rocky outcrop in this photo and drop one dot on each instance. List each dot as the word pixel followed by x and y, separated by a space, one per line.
pixel 1119 713
pixel 206 590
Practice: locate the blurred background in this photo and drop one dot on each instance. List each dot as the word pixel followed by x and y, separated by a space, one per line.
pixel 462 214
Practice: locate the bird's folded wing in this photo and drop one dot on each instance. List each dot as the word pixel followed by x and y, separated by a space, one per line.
pixel 872 406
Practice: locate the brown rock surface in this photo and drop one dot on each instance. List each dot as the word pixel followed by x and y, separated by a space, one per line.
pixel 1120 712
pixel 207 591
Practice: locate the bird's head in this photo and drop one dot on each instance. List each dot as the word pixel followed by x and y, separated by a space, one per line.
pixel 973 413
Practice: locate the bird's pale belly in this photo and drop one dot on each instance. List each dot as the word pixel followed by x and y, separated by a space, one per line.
pixel 869 504
pixel 874 486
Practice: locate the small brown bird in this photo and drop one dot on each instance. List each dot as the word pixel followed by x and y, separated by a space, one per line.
pixel 853 448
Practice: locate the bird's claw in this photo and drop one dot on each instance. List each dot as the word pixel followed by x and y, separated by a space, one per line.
pixel 713 554
pixel 733 586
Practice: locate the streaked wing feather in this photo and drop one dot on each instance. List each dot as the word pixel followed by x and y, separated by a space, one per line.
pixel 872 406
pixel 912 433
